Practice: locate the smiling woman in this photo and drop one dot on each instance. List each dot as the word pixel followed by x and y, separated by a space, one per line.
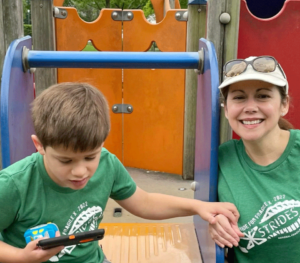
pixel 260 172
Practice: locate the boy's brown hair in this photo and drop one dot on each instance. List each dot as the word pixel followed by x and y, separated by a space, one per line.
pixel 72 115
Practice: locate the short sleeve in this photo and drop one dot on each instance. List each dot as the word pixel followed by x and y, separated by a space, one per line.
pixel 123 186
pixel 9 201
pixel 224 192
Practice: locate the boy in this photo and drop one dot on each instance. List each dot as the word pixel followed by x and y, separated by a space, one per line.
pixel 65 183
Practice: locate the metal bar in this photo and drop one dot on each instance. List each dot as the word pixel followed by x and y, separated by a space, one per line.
pixel 70 59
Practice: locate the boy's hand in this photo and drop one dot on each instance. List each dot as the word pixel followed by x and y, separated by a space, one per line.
pixel 34 254
pixel 208 211
pixel 225 233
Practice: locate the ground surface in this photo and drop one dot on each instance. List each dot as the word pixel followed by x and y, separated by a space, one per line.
pixel 154 182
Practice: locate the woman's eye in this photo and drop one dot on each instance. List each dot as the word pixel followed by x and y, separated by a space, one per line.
pixel 238 97
pixel 263 96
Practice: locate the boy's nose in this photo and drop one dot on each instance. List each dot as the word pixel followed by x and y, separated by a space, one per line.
pixel 79 171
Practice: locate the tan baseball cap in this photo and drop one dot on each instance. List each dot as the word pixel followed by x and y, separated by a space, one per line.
pixel 276 77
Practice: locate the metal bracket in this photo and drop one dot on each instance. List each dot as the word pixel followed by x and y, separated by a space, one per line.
pixel 201 62
pixel 122 15
pixel 122 108
pixel 181 16
pixel 60 13
pixel 25 59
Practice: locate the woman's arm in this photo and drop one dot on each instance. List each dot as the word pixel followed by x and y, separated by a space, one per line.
pixel 225 233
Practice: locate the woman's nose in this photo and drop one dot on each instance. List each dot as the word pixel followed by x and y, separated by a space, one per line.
pixel 251 106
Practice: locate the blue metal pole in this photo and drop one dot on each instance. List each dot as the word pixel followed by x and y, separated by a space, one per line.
pixel 137 60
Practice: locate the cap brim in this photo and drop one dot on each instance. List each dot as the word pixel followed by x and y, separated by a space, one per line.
pixel 256 76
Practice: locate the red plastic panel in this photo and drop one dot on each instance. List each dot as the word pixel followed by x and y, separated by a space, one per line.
pixel 278 36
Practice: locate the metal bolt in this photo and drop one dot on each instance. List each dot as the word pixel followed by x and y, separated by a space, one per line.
pixel 129 108
pixel 182 189
pixel 185 16
pixel 114 14
pixel 63 12
pixel 129 15
pixel 115 108
pixel 177 15
pixel 193 186
pixel 199 10
pixel 41 5
pixel 225 18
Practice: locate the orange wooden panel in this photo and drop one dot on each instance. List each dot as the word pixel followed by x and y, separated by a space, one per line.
pixel 73 33
pixel 153 133
pixel 158 6
pixel 169 34
pixel 58 2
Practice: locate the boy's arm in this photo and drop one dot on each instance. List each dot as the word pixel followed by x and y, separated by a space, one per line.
pixel 159 206
pixel 30 254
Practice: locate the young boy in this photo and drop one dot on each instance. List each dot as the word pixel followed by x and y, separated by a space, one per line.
pixel 66 183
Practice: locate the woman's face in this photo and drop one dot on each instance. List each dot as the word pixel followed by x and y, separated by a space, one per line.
pixel 253 109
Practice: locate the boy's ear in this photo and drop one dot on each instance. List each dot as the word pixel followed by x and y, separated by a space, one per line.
pixel 38 145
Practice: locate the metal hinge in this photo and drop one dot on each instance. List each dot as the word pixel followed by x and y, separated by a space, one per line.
pixel 60 12
pixel 122 108
pixel 122 15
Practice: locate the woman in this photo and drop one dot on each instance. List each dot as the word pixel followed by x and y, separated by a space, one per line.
pixel 260 173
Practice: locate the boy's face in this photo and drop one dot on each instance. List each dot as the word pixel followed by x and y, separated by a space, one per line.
pixel 68 168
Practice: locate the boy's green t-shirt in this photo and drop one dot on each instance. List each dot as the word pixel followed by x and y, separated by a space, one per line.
pixel 268 200
pixel 29 197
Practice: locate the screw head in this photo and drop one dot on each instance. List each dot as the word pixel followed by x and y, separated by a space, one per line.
pixel 129 15
pixel 225 18
pixel 115 108
pixel 177 15
pixel 129 108
pixel 114 14
pixel 63 13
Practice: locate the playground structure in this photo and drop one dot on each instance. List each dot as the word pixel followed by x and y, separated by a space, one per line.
pixel 18 92
pixel 253 36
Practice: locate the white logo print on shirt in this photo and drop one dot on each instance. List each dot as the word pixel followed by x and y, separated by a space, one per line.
pixel 84 219
pixel 276 219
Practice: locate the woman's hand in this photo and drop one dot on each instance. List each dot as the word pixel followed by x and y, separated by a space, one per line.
pixel 224 232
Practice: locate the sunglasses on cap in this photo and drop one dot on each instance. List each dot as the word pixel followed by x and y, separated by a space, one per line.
pixel 263 64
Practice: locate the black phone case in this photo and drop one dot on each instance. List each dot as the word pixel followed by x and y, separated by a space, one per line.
pixel 74 239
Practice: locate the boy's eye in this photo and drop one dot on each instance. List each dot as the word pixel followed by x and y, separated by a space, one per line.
pixel 67 161
pixel 90 158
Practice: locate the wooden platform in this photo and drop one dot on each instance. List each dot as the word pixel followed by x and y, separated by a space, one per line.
pixel 150 243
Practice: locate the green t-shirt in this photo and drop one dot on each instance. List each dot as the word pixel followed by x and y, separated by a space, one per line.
pixel 29 197
pixel 268 199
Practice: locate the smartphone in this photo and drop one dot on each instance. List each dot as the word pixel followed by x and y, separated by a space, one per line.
pixel 74 239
